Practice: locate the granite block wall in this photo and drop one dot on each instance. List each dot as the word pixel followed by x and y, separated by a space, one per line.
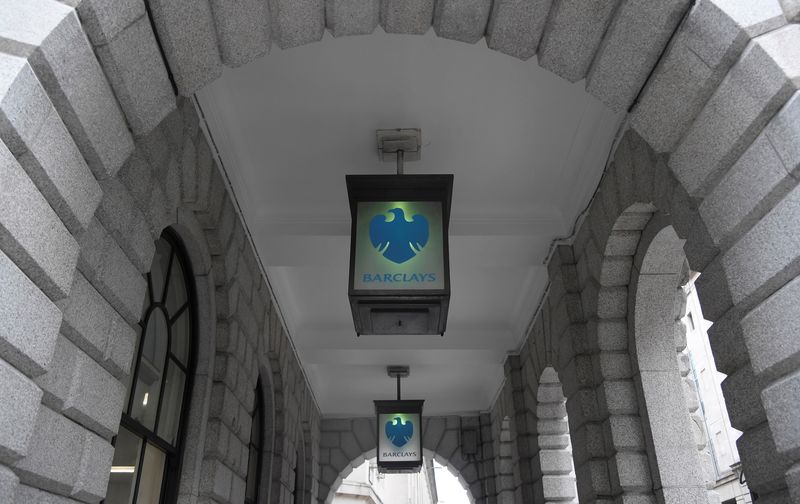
pixel 98 156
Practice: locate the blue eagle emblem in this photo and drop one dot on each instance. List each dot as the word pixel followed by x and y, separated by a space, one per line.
pixel 399 432
pixel 398 239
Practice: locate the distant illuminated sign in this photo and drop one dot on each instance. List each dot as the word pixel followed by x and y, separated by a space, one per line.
pixel 399 246
pixel 399 435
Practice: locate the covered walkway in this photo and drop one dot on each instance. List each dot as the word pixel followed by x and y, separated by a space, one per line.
pixel 151 352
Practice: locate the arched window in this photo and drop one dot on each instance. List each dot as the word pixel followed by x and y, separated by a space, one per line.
pixel 148 446
pixel 256 448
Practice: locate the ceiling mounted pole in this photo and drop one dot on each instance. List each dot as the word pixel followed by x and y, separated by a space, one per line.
pixel 398 372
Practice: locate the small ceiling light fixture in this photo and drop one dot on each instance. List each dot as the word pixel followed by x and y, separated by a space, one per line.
pixel 122 469
pixel 399 249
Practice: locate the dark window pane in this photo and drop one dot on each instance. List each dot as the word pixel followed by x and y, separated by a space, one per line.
pixel 158 271
pixel 146 304
pixel 148 381
pixel 252 477
pixel 254 456
pixel 123 468
pixel 152 476
pixel 176 292
pixel 255 430
pixel 180 337
pixel 296 489
pixel 171 404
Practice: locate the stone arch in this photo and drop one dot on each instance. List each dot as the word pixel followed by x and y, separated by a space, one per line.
pixel 346 442
pixel 557 340
pixel 127 192
pixel 639 307
pixel 656 340
pixel 508 477
pixel 630 473
pixel 637 184
pixel 555 450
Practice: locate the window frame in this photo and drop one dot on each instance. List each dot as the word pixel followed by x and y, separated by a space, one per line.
pixel 173 464
pixel 258 407
pixel 296 492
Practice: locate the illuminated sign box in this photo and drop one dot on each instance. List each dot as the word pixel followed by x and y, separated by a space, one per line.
pixel 399 253
pixel 399 435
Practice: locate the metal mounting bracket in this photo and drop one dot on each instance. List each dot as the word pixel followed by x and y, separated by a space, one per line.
pixel 398 371
pixel 393 141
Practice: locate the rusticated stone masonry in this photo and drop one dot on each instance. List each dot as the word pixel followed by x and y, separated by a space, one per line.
pixel 98 157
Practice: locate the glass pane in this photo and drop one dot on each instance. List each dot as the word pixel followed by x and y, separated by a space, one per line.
pixel 146 304
pixel 158 270
pixel 255 429
pixel 176 292
pixel 152 475
pixel 123 468
pixel 252 477
pixel 148 382
pixel 129 379
pixel 171 405
pixel 180 337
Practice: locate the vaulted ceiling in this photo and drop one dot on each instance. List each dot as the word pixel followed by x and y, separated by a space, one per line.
pixel 526 149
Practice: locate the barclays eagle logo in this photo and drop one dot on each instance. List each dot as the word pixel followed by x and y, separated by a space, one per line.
pixel 398 239
pixel 399 432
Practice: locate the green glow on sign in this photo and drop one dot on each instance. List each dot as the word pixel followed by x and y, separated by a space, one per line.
pixel 404 417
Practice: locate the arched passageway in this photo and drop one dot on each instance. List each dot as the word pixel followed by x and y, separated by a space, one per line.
pixel 433 483
pixel 99 156
pixel 345 443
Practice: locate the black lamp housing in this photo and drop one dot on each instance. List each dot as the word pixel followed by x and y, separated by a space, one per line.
pixel 408 457
pixel 390 292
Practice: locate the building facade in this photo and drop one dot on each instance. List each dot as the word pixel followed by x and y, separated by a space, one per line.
pixel 140 341
pixel 720 437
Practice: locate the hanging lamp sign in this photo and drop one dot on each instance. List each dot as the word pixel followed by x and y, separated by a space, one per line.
pixel 399 253
pixel 399 435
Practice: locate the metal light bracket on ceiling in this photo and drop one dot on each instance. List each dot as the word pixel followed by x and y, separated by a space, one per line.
pixel 398 372
pixel 399 145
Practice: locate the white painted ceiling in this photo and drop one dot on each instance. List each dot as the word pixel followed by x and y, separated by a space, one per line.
pixel 526 148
